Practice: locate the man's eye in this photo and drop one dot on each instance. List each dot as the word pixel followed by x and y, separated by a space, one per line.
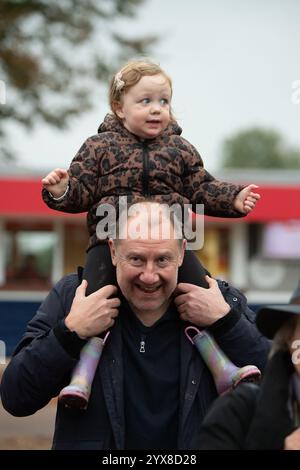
pixel 163 261
pixel 135 260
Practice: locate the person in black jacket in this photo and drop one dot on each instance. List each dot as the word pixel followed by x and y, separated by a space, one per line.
pixel 152 388
pixel 265 417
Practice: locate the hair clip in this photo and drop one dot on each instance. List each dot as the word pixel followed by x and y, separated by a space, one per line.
pixel 118 81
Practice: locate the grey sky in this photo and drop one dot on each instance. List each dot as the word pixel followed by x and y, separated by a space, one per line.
pixel 232 63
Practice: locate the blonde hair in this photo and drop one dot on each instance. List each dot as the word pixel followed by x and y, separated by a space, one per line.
pixel 129 75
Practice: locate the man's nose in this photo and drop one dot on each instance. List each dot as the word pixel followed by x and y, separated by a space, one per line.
pixel 149 275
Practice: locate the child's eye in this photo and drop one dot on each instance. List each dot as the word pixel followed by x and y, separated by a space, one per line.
pixel 164 101
pixel 145 101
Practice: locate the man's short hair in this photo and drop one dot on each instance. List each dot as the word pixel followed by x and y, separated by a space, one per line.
pixel 156 213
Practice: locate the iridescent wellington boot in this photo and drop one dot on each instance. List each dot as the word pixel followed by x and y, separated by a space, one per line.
pixel 226 375
pixel 77 394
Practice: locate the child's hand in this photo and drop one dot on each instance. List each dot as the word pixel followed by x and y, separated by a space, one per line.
pixel 245 200
pixel 56 182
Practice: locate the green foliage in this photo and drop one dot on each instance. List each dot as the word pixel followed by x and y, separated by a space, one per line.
pixel 259 148
pixel 54 53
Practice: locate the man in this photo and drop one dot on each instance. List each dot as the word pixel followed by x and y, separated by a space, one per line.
pixel 152 388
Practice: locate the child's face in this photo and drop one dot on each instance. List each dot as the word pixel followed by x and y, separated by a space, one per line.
pixel 145 108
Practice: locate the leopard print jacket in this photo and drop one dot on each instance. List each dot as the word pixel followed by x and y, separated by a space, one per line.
pixel 167 169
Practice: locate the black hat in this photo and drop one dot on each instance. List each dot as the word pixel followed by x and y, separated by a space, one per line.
pixel 271 317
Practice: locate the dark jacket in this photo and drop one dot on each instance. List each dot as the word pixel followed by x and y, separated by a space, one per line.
pixel 252 417
pixel 40 368
pixel 116 163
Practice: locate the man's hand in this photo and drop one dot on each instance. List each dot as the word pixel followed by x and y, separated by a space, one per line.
pixel 246 199
pixel 201 306
pixel 56 182
pixel 292 442
pixel 89 316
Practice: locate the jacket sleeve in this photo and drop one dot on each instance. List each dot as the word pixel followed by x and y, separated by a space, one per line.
pixel 226 424
pixel 83 182
pixel 237 334
pixel 40 366
pixel 202 188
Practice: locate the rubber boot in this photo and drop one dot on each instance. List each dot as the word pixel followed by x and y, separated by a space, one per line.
pixel 77 393
pixel 226 375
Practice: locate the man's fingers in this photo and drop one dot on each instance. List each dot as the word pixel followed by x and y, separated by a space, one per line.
pixel 80 291
pixel 110 323
pixel 114 302
pixel 114 313
pixel 106 291
pixel 181 308
pixel 184 287
pixel 210 281
pixel 180 299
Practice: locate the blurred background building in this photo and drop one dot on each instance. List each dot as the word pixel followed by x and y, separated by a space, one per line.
pixel 259 254
pixel 235 68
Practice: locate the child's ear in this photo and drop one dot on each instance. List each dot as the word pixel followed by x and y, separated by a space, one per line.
pixel 118 109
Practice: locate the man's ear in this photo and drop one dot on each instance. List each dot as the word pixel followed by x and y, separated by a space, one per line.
pixel 113 255
pixel 182 251
pixel 118 109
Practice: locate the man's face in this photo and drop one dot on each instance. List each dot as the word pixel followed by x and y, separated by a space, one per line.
pixel 147 273
pixel 145 108
pixel 294 345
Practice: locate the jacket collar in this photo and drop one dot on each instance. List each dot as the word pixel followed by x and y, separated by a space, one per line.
pixel 112 124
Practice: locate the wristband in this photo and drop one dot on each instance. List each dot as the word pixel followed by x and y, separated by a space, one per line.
pixel 60 197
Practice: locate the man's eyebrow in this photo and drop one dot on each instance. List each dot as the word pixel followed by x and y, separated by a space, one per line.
pixel 166 253
pixel 134 253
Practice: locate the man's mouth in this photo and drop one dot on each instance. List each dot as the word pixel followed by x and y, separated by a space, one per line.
pixel 148 289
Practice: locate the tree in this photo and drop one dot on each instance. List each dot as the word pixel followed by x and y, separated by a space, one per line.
pixel 51 52
pixel 259 148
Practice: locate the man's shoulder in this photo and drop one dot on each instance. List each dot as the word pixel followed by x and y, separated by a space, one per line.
pixel 69 282
pixel 231 292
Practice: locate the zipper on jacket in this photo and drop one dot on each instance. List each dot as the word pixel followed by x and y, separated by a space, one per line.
pixel 142 344
pixel 145 175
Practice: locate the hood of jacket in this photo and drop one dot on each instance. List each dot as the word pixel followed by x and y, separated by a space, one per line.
pixel 112 124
